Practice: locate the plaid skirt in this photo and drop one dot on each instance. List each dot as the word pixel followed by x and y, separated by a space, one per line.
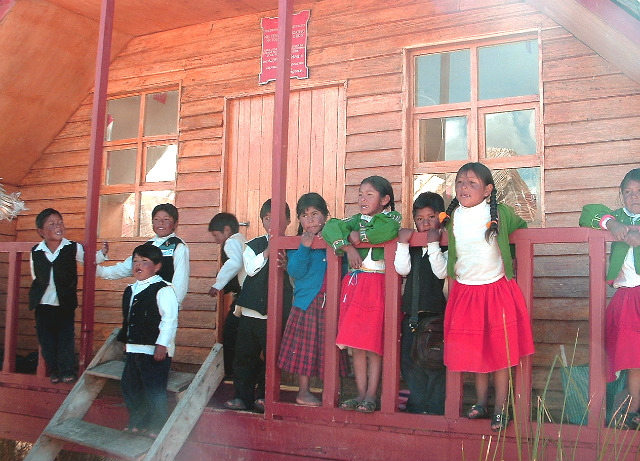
pixel 301 350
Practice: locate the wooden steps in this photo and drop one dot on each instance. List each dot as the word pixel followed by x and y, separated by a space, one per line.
pixel 178 381
pixel 117 443
pixel 67 425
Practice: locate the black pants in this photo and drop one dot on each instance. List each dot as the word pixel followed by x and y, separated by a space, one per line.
pixel 248 367
pixel 144 388
pixel 56 334
pixel 229 335
pixel 426 387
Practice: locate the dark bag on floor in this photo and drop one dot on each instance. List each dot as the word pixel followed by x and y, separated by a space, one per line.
pixel 427 350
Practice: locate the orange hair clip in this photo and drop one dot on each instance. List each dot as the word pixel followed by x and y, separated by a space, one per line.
pixel 442 216
pixel 491 222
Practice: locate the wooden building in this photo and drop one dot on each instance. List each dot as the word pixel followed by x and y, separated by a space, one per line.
pixel 545 92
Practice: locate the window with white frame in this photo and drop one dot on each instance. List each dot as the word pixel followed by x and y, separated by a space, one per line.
pixel 479 102
pixel 140 161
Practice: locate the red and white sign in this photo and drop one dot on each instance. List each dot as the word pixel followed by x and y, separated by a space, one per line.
pixel 299 67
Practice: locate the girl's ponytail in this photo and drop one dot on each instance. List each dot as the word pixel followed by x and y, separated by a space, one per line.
pixel 493 225
pixel 452 206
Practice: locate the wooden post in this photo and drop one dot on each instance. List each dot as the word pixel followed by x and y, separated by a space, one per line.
pixel 11 322
pixel 391 338
pixel 93 184
pixel 278 196
pixel 597 304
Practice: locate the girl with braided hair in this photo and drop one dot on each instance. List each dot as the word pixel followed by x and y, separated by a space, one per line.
pixel 487 325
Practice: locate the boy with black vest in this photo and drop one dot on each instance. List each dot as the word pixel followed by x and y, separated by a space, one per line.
pixel 426 387
pixel 248 368
pixel 224 229
pixel 175 260
pixel 150 321
pixel 54 293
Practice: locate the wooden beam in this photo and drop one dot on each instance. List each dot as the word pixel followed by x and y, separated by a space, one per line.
pixel 93 185
pixel 278 195
pixel 5 7
pixel 599 24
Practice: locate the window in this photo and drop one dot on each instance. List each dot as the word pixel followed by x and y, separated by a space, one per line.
pixel 140 158
pixel 479 103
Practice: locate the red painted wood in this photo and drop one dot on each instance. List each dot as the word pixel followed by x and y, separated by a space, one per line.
pixel 391 361
pixel 5 7
pixel 597 307
pixel 278 196
pixel 331 374
pixel 11 323
pixel 523 381
pixel 94 180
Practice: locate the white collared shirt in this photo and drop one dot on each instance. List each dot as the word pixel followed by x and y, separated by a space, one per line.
pixel 50 296
pixel 181 267
pixel 168 308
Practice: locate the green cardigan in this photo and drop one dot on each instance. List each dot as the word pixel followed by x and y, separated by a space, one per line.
pixel 509 222
pixel 591 216
pixel 381 228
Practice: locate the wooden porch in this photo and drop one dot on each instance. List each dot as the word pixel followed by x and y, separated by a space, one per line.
pixel 288 431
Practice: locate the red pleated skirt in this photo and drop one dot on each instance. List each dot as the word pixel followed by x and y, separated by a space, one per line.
pixel 623 331
pixel 487 327
pixel 361 321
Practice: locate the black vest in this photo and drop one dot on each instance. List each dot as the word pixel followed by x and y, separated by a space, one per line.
pixel 431 299
pixel 254 294
pixel 168 247
pixel 141 318
pixel 65 276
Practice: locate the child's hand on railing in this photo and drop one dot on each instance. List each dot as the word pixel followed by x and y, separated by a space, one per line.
pixel 632 238
pixel 404 235
pixel 105 248
pixel 282 259
pixel 617 229
pixel 355 260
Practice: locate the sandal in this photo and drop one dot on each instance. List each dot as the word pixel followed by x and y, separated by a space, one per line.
pixel 500 421
pixel 69 379
pixel 235 404
pixel 366 407
pixel 258 405
pixel 54 378
pixel 349 404
pixel 478 411
pixel 629 421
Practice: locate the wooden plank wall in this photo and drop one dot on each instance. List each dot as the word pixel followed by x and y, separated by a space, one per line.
pixel 592 121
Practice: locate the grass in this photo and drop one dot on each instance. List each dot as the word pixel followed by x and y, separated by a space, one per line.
pixel 535 445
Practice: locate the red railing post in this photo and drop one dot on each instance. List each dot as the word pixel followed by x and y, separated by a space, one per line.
pixel 597 308
pixel 391 359
pixel 524 379
pixel 331 372
pixel 11 322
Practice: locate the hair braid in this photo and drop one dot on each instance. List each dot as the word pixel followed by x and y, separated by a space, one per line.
pixel 494 226
pixel 452 206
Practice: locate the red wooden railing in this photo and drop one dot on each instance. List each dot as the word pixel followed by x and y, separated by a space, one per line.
pixel 389 415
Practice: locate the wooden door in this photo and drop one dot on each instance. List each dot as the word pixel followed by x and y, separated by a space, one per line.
pixel 315 160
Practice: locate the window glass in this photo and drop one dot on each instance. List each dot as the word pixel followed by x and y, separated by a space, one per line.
pixel 443 139
pixel 121 166
pixel 148 201
pixel 510 133
pixel 442 78
pixel 517 187
pixel 508 69
pixel 123 117
pixel 116 216
pixel 161 163
pixel 161 113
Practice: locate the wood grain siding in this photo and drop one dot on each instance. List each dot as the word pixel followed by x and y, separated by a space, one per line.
pixel 591 136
